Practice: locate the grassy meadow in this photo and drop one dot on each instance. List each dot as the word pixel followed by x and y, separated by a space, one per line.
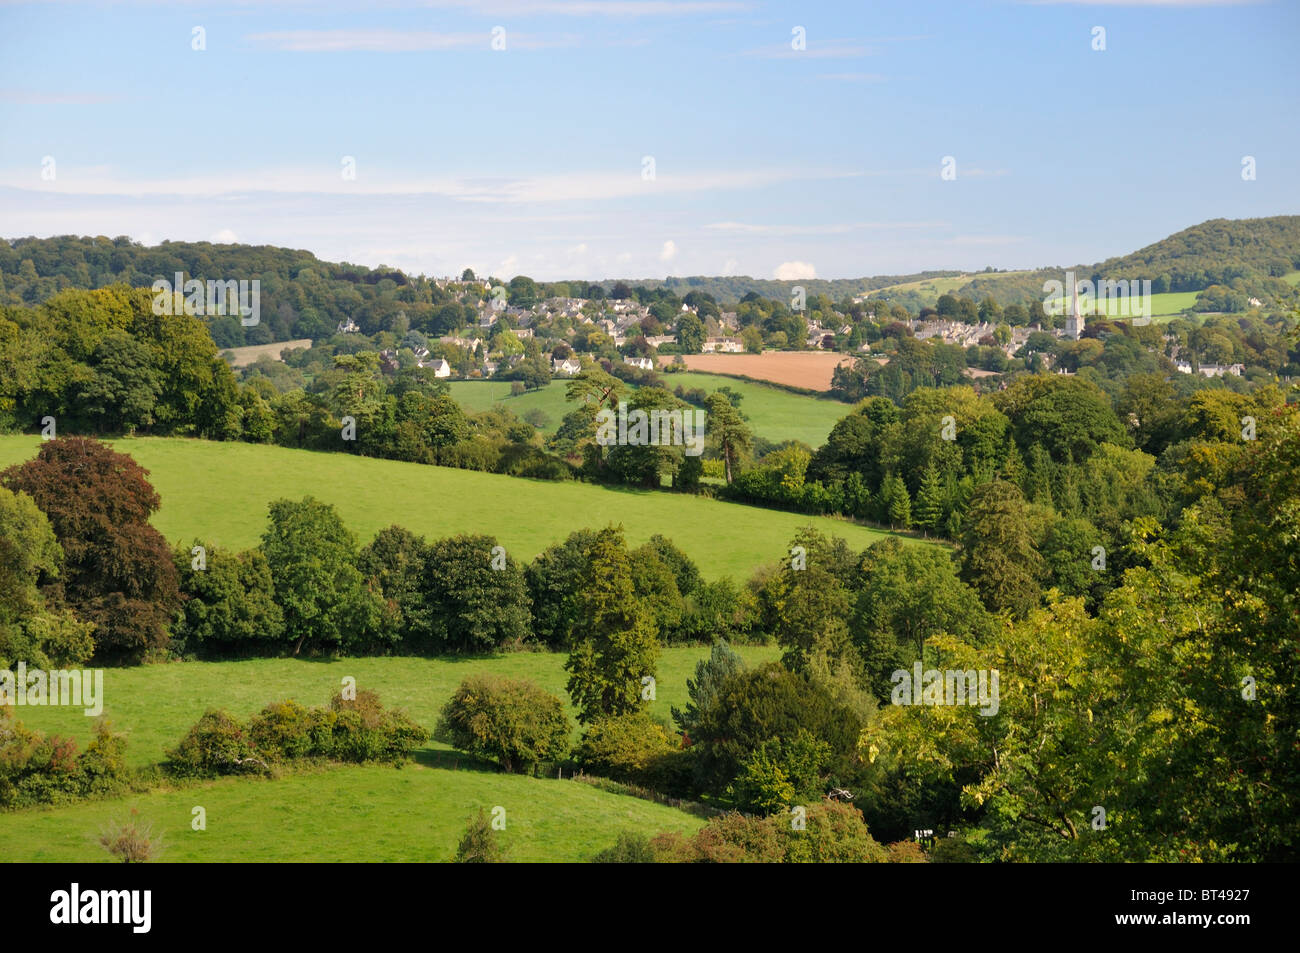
pixel 154 705
pixel 773 413
pixel 339 813
pixel 348 814
pixel 218 492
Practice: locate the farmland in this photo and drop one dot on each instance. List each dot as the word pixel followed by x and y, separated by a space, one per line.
pixel 807 369
pixel 219 492
pixel 772 413
pixel 357 813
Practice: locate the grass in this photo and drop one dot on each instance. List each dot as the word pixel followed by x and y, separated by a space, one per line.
pixel 773 413
pixel 348 814
pixel 340 813
pixel 154 705
pixel 478 396
pixel 218 492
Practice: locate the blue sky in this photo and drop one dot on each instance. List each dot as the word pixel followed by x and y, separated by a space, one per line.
pixel 768 160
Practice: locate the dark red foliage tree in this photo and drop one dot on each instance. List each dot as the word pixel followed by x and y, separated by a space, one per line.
pixel 118 570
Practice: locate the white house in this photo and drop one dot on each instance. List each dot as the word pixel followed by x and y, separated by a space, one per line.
pixel 348 326
pixel 567 367
pixel 644 363
pixel 440 367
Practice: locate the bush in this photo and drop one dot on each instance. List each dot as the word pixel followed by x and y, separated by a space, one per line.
pixel 479 843
pixel 217 744
pixel 630 848
pixel 628 748
pixel 511 721
pixel 736 839
pixel 283 731
pixel 834 833
pixel 40 769
pixel 131 843
pixel 355 730
pixel 905 852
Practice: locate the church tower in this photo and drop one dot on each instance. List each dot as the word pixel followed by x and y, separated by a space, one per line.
pixel 1074 324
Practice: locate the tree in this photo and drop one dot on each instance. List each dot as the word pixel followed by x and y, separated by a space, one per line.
pixel 728 432
pixel 229 602
pixel 512 721
pixel 393 564
pixel 475 595
pixel 710 676
pixel 690 333
pixel 805 604
pixel 771 705
pixel 30 630
pixel 616 646
pixel 908 595
pixel 555 581
pixel 752 338
pixel 313 556
pixel 118 572
pixel 928 512
pixel 999 560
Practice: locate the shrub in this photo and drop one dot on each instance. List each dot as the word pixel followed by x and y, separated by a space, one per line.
pixel 362 730
pixel 479 844
pixel 217 744
pixel 511 721
pixel 40 769
pixel 736 839
pixel 284 730
pixel 834 833
pixel 131 843
pixel 630 848
pixel 905 852
pixel 626 748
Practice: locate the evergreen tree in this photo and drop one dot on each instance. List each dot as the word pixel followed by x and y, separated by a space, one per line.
pixel 616 641
pixel 929 510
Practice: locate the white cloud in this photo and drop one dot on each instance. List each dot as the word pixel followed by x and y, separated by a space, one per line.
pixel 828 228
pixel 396 41
pixel 794 270
pixel 224 237
pixel 325 178
pixel 669 251
pixel 597 8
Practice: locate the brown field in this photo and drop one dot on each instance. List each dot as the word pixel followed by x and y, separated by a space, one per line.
pixel 249 355
pixel 810 369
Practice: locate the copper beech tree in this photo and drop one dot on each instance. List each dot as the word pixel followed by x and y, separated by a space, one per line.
pixel 117 572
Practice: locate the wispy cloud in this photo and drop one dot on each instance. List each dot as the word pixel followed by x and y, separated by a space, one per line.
pixel 591 185
pixel 33 97
pixel 1143 3
pixel 397 41
pixel 854 77
pixel 831 50
pixel 828 228
pixel 597 8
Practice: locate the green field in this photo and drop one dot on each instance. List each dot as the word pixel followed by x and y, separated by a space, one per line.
pixel 478 396
pixel 347 814
pixel 1163 306
pixel 340 813
pixel 773 413
pixel 218 492
pixel 154 705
